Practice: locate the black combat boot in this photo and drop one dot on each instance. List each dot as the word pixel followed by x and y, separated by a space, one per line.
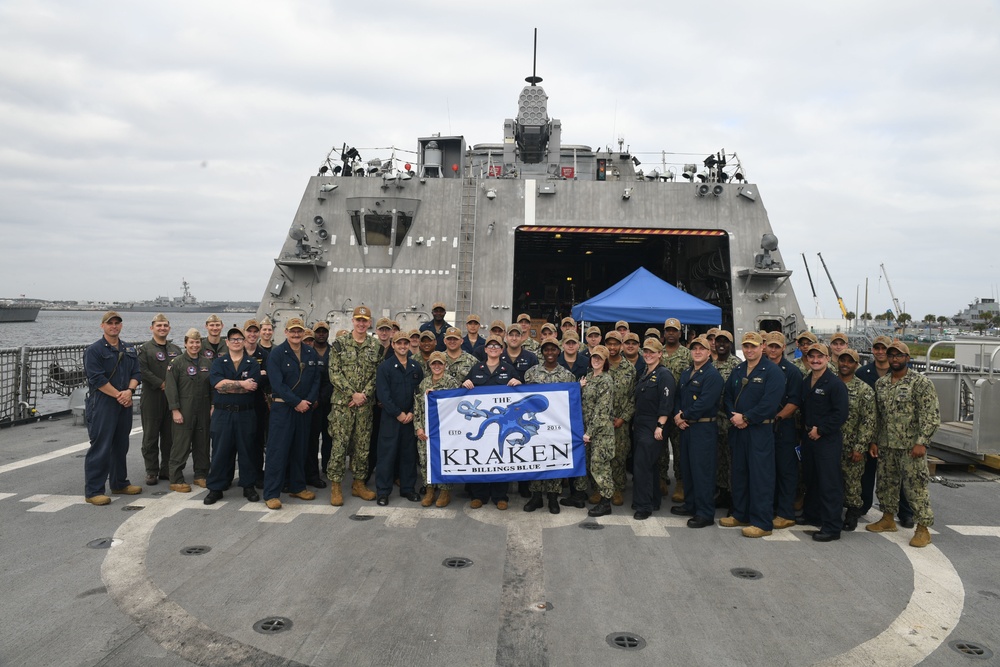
pixel 576 499
pixel 601 509
pixel 851 518
pixel 534 503
pixel 554 503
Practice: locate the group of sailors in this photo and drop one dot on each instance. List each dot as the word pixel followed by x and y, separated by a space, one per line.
pixel 775 441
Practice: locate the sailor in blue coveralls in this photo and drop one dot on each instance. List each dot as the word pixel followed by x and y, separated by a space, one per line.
pixel 824 410
pixel 699 394
pixel 113 376
pixel 752 396
pixel 235 379
pixel 491 373
pixel 396 381
pixel 655 390
pixel 293 370
pixel 786 435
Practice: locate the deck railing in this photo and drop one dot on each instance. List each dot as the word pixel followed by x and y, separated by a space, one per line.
pixel 37 380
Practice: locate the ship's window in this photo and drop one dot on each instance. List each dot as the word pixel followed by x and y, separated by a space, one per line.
pixel 378 228
pixel 403 222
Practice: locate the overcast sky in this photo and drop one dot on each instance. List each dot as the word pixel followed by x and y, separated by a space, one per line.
pixel 145 142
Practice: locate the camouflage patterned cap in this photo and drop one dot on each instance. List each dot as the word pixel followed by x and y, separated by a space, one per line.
pixel 621 323
pixel 882 340
pixel 839 336
pixel 593 330
pixel 383 323
pixel 401 335
pixel 550 341
pixel 307 334
pixel 251 323
pixel 295 323
pixel 110 315
pixel 436 357
pixel 901 346
pixel 548 326
pixel 160 317
pixel 452 332
pixel 714 331
pixel 235 329
pixel 567 320
pixel 613 335
pixel 600 351
pixel 672 323
pixel 474 318
pixel 438 305
pixel 523 316
pixel 853 354
pixel 362 312
pixel 498 324
pixel 427 334
pixel 320 325
pixel 631 337
pixel 570 335
pixel 514 328
pixel 493 339
pixel 702 341
pixel 652 344
pixel 818 347
pixel 413 333
pixel 652 332
pixel 752 338
pixel 213 318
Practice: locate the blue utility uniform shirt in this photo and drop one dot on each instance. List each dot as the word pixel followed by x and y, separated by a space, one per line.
pixel 224 369
pixel 293 380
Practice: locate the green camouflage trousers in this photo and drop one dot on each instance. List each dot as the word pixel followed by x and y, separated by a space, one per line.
pixel 724 457
pixel 422 462
pixel 351 431
pixel 583 483
pixel 602 452
pixel 546 485
pixel 897 468
pixel 852 478
pixel 623 442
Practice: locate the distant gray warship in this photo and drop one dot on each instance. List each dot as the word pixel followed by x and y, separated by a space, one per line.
pixel 163 304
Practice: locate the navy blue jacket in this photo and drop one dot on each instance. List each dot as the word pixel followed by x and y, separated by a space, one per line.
pixel 824 405
pixel 700 392
pixel 580 366
pixel 223 369
pixel 868 374
pixel 758 396
pixel 292 380
pixel 524 361
pixel 654 396
pixel 105 363
pixel 395 384
pixel 470 348
pixel 482 377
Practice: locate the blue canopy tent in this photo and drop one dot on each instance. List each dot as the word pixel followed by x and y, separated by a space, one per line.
pixel 642 297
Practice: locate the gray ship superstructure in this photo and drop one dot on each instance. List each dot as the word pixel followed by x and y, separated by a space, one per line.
pixel 187 302
pixel 529 224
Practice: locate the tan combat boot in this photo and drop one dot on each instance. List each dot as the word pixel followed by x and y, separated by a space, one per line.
pixel 359 489
pixel 884 525
pixel 922 537
pixel 336 497
pixel 678 496
pixel 443 498
pixel 595 497
pixel 428 498
pixel 617 499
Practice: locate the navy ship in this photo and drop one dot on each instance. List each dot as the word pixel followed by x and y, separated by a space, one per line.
pixel 18 310
pixel 530 223
pixel 187 302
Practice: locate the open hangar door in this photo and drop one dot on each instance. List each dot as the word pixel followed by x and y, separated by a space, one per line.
pixel 556 267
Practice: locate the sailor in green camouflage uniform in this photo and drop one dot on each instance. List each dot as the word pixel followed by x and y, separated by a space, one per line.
pixel 623 373
pixel 457 361
pixel 908 416
pixel 677 358
pixel 547 372
pixel 438 379
pixel 527 342
pixel 724 362
pixel 354 358
pixel 154 357
pixel 858 432
pixel 597 398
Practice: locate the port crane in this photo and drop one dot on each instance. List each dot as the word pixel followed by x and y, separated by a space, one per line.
pixel 840 302
pixel 819 313
pixel 895 301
